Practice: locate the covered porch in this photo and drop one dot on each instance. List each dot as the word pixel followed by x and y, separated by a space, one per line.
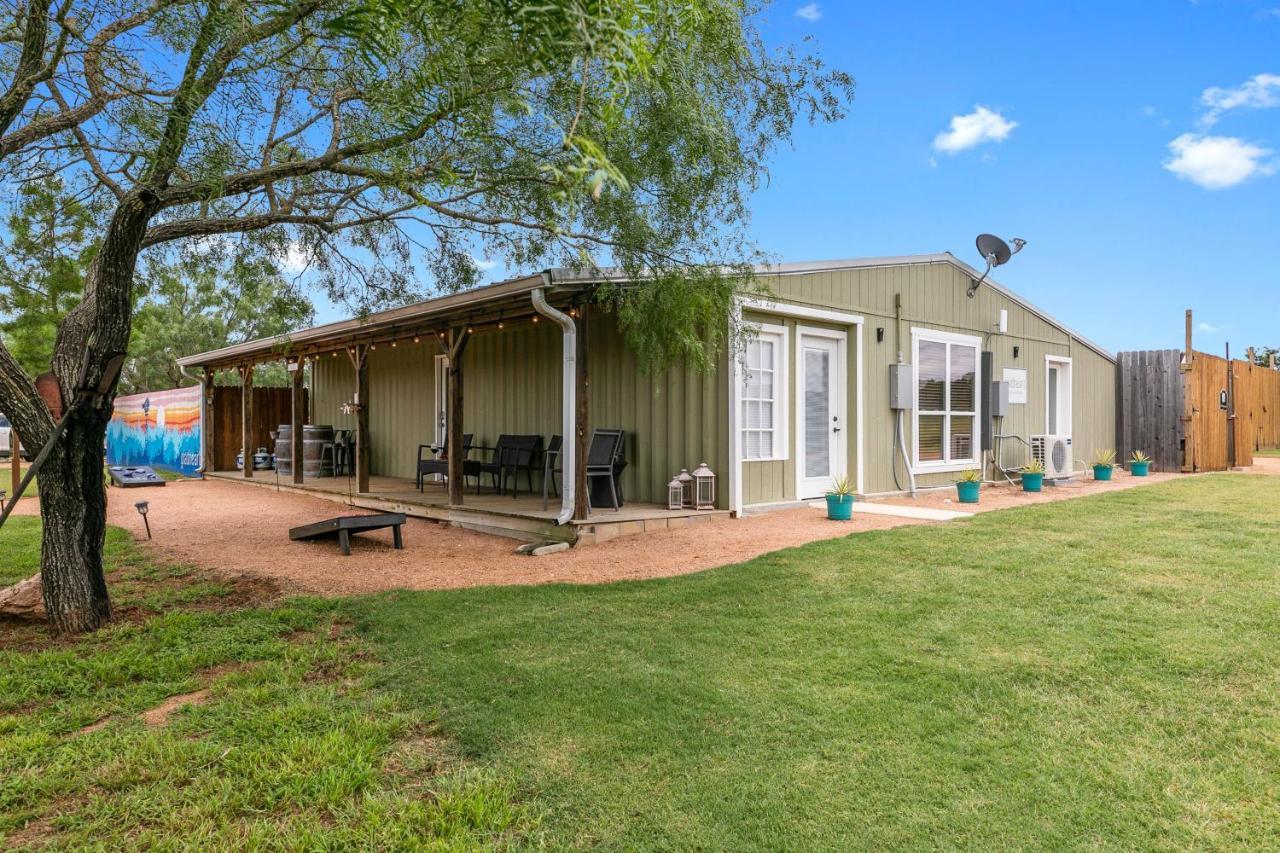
pixel 505 361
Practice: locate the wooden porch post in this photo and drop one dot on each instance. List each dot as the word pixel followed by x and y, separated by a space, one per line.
pixel 362 417
pixel 206 422
pixel 297 418
pixel 458 338
pixel 247 432
pixel 582 416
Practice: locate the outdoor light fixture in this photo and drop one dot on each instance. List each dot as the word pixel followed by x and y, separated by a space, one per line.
pixel 1015 352
pixel 995 252
pixel 499 321
pixel 141 507
pixel 879 334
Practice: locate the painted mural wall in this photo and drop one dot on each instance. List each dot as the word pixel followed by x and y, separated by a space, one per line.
pixel 158 428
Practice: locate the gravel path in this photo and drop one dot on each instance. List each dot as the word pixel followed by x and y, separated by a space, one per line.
pixel 239 530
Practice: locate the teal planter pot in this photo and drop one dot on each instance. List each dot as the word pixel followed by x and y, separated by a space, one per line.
pixel 1102 472
pixel 1139 469
pixel 1032 482
pixel 968 492
pixel 840 507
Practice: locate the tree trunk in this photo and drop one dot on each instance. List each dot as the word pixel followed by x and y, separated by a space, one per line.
pixel 73 506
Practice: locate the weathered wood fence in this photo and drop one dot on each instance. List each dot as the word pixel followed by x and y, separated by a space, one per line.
pixel 1204 413
pixel 271 407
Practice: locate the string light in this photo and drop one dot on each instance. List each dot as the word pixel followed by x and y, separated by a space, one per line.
pixel 499 321
pixel 535 318
pixel 393 344
pixel 417 340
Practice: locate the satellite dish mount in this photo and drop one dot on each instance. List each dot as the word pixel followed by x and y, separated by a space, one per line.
pixel 995 252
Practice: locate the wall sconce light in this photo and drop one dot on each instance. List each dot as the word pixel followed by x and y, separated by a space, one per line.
pixel 1015 351
pixel 879 334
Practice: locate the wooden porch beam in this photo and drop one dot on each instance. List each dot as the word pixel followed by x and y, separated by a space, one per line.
pixel 246 419
pixel 297 418
pixel 360 358
pixel 454 419
pixel 207 462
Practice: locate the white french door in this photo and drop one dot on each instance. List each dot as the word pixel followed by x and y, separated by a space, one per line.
pixel 1057 396
pixel 821 417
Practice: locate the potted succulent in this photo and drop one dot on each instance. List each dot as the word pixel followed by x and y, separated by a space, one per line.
pixel 1103 463
pixel 1139 464
pixel 840 500
pixel 1033 476
pixel 968 486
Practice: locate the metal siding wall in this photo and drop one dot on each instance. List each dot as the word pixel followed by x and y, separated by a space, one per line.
pixel 933 296
pixel 673 420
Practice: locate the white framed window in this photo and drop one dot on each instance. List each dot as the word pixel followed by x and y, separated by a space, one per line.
pixel 947 433
pixel 762 397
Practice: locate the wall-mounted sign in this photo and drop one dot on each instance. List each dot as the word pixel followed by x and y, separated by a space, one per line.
pixel 1222 399
pixel 1016 377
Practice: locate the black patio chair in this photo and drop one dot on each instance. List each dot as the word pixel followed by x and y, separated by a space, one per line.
pixel 509 456
pixel 605 461
pixel 551 467
pixel 439 463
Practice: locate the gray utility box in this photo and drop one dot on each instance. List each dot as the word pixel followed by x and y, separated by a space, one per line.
pixel 901 390
pixel 999 399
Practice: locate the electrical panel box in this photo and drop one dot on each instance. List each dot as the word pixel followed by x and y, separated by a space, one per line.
pixel 901 390
pixel 999 399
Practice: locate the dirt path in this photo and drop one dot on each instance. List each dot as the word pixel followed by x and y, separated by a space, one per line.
pixel 242 531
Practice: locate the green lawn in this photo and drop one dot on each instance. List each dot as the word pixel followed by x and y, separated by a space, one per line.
pixel 1096 673
pixel 1273 452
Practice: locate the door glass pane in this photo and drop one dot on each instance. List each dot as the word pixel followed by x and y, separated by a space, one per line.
pixel 933 376
pixel 1053 401
pixel 817 413
pixel 963 378
pixel 961 438
pixel 931 438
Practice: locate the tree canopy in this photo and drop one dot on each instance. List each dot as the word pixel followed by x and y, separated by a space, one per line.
pixel 389 141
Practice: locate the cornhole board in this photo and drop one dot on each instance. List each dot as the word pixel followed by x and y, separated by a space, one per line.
pixel 343 526
pixel 133 476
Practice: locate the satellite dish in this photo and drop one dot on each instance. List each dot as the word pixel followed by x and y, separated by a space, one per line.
pixel 995 252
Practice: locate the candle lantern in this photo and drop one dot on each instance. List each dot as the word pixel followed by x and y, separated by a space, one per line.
pixel 675 494
pixel 686 488
pixel 704 482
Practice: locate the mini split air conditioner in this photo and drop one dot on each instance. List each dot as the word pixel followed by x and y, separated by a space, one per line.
pixel 1054 453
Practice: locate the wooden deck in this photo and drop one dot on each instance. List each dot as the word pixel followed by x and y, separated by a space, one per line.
pixel 517 518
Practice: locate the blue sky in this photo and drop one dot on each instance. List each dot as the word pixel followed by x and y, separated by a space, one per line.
pixel 1133 146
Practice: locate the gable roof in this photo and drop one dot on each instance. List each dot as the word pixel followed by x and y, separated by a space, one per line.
pixel 564 278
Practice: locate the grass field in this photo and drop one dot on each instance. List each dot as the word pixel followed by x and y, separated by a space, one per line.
pixel 1273 453
pixel 1093 673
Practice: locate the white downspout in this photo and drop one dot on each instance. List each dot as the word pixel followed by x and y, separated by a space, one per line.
pixel 569 398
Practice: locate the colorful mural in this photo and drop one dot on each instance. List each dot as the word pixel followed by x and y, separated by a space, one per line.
pixel 159 428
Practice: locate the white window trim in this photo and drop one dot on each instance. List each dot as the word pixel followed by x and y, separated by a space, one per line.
pixel 939 336
pixel 781 392
pixel 1060 361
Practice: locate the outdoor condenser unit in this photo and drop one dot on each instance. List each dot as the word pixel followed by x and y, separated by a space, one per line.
pixel 1054 453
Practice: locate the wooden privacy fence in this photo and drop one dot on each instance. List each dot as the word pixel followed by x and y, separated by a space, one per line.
pixel 1208 414
pixel 271 407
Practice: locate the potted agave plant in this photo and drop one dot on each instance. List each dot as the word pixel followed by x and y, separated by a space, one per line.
pixel 1033 476
pixel 969 486
pixel 1103 463
pixel 840 500
pixel 1139 464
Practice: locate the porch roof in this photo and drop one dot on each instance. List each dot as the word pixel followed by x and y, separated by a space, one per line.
pixel 509 299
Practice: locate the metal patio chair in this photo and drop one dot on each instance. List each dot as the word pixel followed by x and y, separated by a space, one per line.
pixel 439 462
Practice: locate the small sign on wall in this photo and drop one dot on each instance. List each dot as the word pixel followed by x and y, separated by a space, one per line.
pixel 1016 377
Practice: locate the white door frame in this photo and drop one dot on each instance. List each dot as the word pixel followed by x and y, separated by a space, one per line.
pixel 1063 363
pixel 839 380
pixel 439 402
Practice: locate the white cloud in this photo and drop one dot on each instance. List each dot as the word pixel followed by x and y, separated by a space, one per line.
pixel 483 264
pixel 1268 14
pixel 1210 328
pixel 810 12
pixel 1216 162
pixel 1259 92
pixel 296 258
pixel 967 131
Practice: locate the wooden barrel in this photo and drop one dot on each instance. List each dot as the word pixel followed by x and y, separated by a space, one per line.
pixel 284 448
pixel 316 460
